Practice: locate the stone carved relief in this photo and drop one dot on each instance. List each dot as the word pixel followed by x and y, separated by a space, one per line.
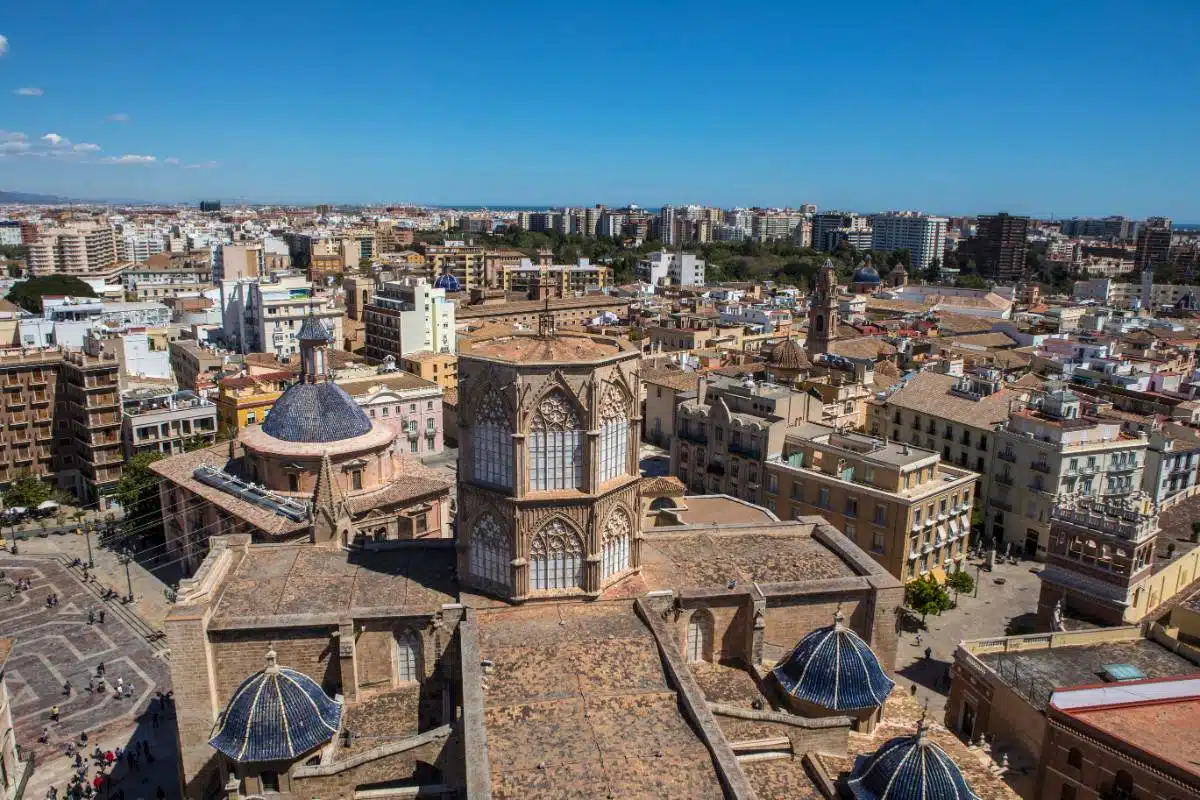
pixel 556 538
pixel 613 404
pixel 555 412
pixel 492 409
pixel 618 525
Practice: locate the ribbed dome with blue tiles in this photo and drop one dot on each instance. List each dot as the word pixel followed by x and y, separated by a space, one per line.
pixel 909 768
pixel 315 409
pixel 276 715
pixel 866 274
pixel 835 669
pixel 448 282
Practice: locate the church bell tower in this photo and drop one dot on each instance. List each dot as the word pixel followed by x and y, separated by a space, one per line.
pixel 823 311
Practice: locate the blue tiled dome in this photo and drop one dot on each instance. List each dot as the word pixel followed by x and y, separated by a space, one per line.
pixel 909 768
pixel 835 669
pixel 313 330
pixel 316 412
pixel 448 282
pixel 866 274
pixel 276 715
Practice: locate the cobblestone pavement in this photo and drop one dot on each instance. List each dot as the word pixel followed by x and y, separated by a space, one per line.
pixel 1000 610
pixel 57 645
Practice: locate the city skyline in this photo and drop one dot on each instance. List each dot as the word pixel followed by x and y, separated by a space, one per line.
pixel 910 108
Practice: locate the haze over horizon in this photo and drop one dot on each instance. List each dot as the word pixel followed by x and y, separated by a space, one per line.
pixel 1073 109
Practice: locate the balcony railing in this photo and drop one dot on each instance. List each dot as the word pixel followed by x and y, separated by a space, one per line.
pixel 1001 504
pixel 1007 480
pixel 1040 466
pixel 1007 455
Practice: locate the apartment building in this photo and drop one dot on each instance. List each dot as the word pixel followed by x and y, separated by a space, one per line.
pixel 154 282
pixel 88 425
pixel 899 503
pixel 1172 470
pixel 28 379
pixel 409 316
pixel 770 226
pixel 439 368
pixel 567 311
pixel 80 249
pixel 408 405
pixel 194 366
pixel 924 236
pixel 1153 247
pixel 465 262
pixel 264 316
pixel 240 260
pixel 164 421
pixel 247 399
pixel 999 246
pixel 1051 446
pixel 562 280
pixel 724 436
pixel 664 390
pixel 666 268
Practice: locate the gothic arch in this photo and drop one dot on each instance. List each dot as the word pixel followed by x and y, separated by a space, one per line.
pixel 536 395
pixel 700 636
pixel 556 556
pixel 406 655
pixel 556 433
pixel 616 401
pixel 490 555
pixel 616 541
pixel 491 439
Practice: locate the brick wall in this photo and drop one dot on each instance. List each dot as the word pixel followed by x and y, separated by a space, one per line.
pixel 427 763
pixel 790 620
pixel 238 655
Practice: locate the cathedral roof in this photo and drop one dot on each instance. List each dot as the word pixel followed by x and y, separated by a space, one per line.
pixel 276 714
pixel 866 274
pixel 835 669
pixel 788 354
pixel 909 768
pixel 313 330
pixel 316 412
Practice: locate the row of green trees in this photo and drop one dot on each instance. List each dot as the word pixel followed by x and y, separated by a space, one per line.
pixel 926 596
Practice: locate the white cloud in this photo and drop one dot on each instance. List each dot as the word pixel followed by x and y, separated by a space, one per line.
pixel 13 146
pixel 87 147
pixel 128 158
pixel 117 117
pixel 172 160
pixel 54 140
pixel 201 165
pixel 3 45
pixel 12 136
pixel 29 91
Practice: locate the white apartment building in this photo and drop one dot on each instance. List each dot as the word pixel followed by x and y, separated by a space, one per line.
pixel 409 316
pixel 762 318
pixel 10 233
pixel 138 247
pixel 665 268
pixel 923 235
pixel 84 248
pixel 1051 447
pixel 264 316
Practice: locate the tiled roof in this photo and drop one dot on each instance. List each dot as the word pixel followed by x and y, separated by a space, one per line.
pixel 276 715
pixel 316 412
pixel 864 347
pixel 835 669
pixel 677 379
pixel 313 330
pixel 909 767
pixel 929 393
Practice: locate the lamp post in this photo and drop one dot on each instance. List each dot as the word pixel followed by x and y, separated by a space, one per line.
pixel 125 559
pixel 87 537
pixel 978 568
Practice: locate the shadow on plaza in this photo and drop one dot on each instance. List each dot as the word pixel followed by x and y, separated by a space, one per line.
pixel 932 673
pixel 139 778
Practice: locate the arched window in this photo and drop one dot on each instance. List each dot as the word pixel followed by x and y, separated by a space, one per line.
pixel 614 434
pixel 491 443
pixel 699 636
pixel 820 326
pixel 1074 758
pixel 490 551
pixel 616 540
pixel 556 558
pixel 556 445
pixel 1122 784
pixel 407 656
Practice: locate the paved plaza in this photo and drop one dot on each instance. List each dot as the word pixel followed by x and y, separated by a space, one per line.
pixel 56 645
pixel 1000 610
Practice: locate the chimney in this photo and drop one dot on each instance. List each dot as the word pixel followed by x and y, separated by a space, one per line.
pixel 701 387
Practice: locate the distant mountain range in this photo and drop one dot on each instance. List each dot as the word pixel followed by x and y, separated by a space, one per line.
pixel 32 199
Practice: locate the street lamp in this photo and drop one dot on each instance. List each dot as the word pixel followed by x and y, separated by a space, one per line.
pixel 87 537
pixel 978 568
pixel 125 559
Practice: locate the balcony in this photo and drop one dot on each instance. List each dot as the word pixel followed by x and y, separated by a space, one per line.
pixel 1003 505
pixel 1040 466
pixel 1007 480
pixel 1007 455
pixel 744 450
pixel 1128 466
pixel 699 437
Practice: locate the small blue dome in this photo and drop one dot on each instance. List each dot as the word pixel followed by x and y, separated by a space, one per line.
pixel 313 330
pixel 316 412
pixel 866 275
pixel 276 715
pixel 448 282
pixel 835 669
pixel 909 768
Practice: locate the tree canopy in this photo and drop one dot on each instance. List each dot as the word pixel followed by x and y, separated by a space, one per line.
pixel 960 582
pixel 27 491
pixel 926 596
pixel 137 492
pixel 28 294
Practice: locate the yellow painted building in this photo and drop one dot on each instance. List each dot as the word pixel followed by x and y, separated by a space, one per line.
pixel 247 399
pixel 439 368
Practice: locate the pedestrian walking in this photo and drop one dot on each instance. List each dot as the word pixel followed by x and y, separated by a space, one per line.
pixel 928 652
pixel 67 688
pixel 129 689
pixel 100 669
pixel 91 616
pixel 102 616
pixel 54 713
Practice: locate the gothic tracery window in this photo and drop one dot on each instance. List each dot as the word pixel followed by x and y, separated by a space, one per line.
pixel 555 445
pixel 492 442
pixel 556 558
pixel 614 434
pixel 700 636
pixel 490 551
pixel 615 540
pixel 407 656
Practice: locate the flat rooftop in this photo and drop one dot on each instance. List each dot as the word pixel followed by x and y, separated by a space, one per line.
pixel 706 555
pixel 280 580
pixel 722 509
pixel 531 348
pixel 577 705
pixel 1082 665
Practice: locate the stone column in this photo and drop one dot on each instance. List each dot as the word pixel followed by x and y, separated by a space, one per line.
pixel 347 661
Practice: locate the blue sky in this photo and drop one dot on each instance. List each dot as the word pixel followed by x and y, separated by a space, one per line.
pixel 1070 107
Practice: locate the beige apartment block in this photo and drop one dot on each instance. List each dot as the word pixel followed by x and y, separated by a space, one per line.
pixel 1051 447
pixel 82 249
pixel 905 507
